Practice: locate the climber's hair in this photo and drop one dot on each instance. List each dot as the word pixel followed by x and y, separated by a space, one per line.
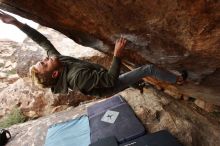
pixel 44 80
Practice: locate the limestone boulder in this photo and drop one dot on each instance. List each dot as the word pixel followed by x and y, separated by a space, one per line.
pixel 35 102
pixel 8 63
pixel 191 125
pixel 31 100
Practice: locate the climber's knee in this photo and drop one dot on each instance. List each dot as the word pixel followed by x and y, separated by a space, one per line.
pixel 149 68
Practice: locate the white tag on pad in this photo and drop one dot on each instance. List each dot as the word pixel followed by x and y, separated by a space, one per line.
pixel 110 116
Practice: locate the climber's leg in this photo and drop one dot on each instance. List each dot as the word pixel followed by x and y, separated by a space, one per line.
pixel 129 78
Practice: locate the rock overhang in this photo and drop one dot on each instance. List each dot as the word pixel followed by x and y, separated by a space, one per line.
pixel 173 34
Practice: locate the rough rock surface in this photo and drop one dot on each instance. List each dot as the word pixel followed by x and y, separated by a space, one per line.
pixel 8 63
pixel 32 101
pixel 191 125
pixel 35 102
pixel 156 110
pixel 172 33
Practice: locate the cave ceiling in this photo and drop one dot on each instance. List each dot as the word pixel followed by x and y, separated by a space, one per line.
pixel 173 34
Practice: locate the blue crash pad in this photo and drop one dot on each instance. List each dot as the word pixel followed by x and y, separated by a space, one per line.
pixel 160 138
pixel 104 105
pixel 125 127
pixel 108 141
pixel 75 132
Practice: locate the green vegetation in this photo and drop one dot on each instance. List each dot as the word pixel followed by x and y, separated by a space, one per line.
pixel 14 46
pixel 14 117
pixel 12 71
pixel 2 64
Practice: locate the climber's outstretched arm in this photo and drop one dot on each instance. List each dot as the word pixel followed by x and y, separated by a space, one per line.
pixel 32 33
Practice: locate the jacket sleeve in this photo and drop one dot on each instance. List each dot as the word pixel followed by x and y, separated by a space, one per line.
pixel 40 39
pixel 88 79
pixel 114 70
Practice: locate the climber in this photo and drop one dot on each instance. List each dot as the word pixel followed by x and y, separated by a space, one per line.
pixel 61 73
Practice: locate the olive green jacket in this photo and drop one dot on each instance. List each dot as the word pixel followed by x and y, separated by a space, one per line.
pixel 89 78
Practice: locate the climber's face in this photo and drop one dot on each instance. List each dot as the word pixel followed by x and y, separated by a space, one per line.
pixel 47 64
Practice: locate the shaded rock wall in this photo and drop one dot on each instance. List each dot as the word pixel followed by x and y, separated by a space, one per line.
pixel 172 33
